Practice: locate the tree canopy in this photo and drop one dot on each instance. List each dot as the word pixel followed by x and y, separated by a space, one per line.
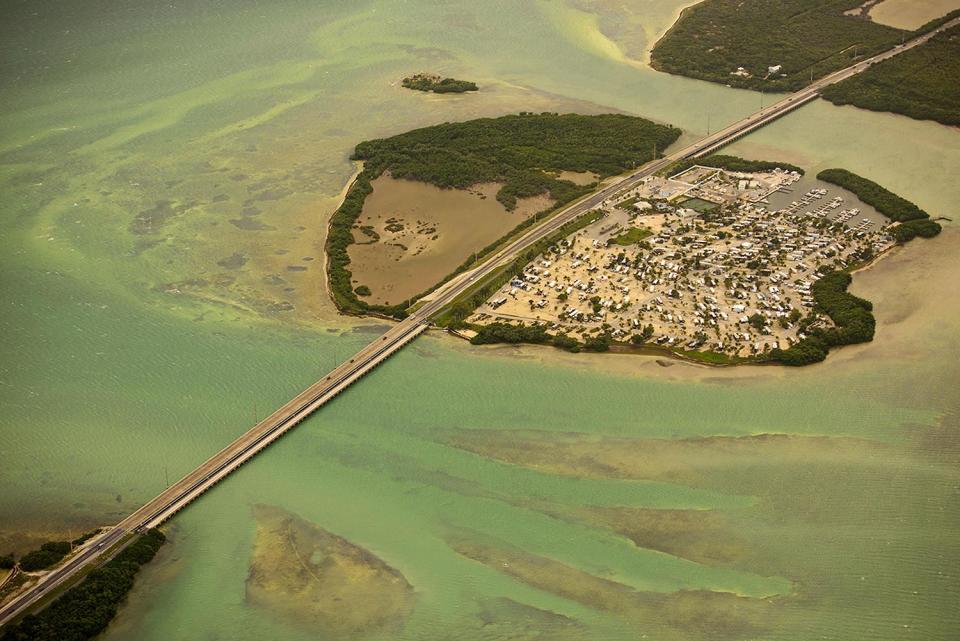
pixel 921 83
pixel 85 610
pixel 852 318
pixel 914 221
pixel 804 38
pixel 436 84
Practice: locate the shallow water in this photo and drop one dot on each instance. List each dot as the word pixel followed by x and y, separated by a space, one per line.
pixel 129 353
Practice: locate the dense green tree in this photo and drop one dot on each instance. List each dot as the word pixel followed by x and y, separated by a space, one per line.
pixel 905 232
pixel 852 319
pixel 436 84
pixel 506 333
pixel 805 38
pixel 49 554
pixel 883 200
pixel 85 610
pixel 732 163
pixel 599 343
pixel 921 83
pixel 566 342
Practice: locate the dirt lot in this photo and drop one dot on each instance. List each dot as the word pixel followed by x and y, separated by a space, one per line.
pixel 411 234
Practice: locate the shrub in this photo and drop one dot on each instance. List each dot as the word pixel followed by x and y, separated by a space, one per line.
pixel 597 343
pixel 566 342
pixel 85 610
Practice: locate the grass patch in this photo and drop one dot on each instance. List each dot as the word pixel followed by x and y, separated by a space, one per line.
pixel 632 236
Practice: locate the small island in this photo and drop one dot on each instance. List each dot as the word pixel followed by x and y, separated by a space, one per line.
pixel 719 260
pixel 432 202
pixel 436 84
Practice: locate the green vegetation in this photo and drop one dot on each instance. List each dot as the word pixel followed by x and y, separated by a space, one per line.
pixel 806 38
pixel 85 610
pixel 632 236
pixel 913 220
pixel 920 83
pixel 852 317
pixel 597 343
pixel 517 151
pixel 7 562
pixel 436 84
pixel 730 163
pixel 362 290
pixel 83 538
pixel 513 334
pixel 568 343
pixel 49 554
pixel 645 334
pixel 516 334
pixel 924 227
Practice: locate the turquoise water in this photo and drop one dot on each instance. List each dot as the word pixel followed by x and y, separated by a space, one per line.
pixel 130 354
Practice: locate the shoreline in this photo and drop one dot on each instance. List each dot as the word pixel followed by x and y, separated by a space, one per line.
pixel 677 16
pixel 358 167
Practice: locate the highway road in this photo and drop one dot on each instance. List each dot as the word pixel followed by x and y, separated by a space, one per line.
pixel 246 446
